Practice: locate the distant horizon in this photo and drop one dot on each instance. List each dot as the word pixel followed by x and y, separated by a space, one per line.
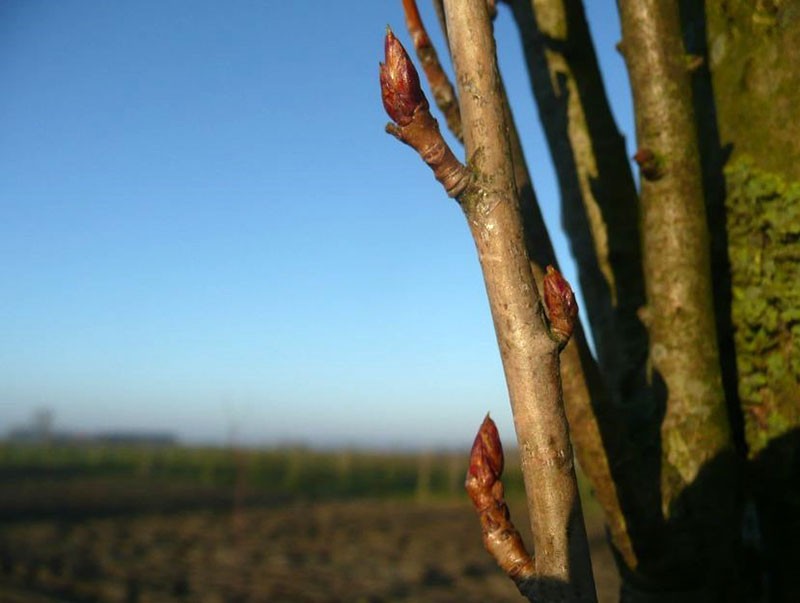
pixel 205 229
pixel 29 433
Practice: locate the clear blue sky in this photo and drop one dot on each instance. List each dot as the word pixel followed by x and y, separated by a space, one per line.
pixel 205 230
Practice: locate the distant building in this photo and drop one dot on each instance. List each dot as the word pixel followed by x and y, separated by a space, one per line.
pixel 40 431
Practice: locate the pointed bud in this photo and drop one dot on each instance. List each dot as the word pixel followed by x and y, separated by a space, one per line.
pixel 400 87
pixel 486 458
pixel 559 301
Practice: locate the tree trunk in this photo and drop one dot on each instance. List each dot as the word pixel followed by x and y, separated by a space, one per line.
pixel 754 53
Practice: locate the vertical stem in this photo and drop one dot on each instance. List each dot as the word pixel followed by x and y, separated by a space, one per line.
pixel 530 357
pixel 680 312
pixel 598 195
pixel 698 474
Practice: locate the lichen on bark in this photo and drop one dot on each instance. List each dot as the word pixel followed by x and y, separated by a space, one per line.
pixel 754 48
pixel 763 219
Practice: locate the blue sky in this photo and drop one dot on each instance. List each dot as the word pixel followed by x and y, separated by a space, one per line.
pixel 205 230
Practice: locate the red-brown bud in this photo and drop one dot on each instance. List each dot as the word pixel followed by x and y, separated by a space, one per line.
pixel 649 164
pixel 400 88
pixel 559 301
pixel 486 458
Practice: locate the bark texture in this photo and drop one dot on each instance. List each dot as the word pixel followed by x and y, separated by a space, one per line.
pixel 753 54
pixel 600 213
pixel 585 396
pixel 698 470
pixel 530 357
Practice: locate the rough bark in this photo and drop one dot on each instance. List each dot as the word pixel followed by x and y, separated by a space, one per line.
pixel 529 355
pixel 698 484
pixel 753 54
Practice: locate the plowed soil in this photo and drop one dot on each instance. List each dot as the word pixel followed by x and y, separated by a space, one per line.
pixel 355 551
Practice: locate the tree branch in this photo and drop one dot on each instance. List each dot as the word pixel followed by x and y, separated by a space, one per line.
pixel 584 389
pixel 680 313
pixel 597 190
pixel 699 488
pixel 530 357
pixel 414 125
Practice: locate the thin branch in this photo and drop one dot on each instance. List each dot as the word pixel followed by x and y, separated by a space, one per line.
pixel 443 92
pixel 680 312
pixel 583 388
pixel 600 215
pixel 414 125
pixel 438 6
pixel 600 204
pixel 530 357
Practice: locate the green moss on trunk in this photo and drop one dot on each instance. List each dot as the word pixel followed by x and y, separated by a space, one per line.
pixel 764 246
pixel 754 51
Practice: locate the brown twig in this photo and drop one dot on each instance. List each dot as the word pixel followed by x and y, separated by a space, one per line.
pixel 598 194
pixel 600 215
pixel 697 471
pixel 529 355
pixel 680 311
pixel 414 125
pixel 442 89
pixel 584 390
pixel 485 489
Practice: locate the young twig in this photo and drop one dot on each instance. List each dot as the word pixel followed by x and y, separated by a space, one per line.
pixel 530 357
pixel 583 388
pixel 489 200
pixel 443 92
pixel 414 125
pixel 600 214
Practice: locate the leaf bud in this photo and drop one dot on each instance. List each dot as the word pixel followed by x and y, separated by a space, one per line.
pixel 559 301
pixel 400 88
pixel 486 458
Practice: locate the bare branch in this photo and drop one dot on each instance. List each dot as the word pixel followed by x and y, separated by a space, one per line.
pixel 414 125
pixel 530 357
pixel 680 312
pixel 600 205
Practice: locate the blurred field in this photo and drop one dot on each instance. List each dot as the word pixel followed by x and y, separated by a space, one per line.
pixel 156 525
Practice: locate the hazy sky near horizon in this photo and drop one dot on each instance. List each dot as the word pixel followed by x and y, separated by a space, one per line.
pixel 205 230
